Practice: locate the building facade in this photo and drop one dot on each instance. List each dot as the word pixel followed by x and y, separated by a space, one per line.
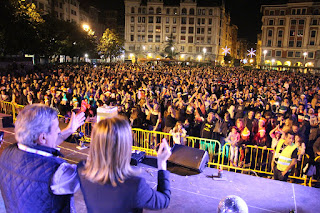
pixel 290 34
pixel 198 31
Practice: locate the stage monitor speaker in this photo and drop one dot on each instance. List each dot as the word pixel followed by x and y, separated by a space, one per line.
pixel 189 157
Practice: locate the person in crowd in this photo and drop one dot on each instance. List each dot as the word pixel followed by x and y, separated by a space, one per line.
pixel 233 139
pixel 33 177
pixel 170 119
pixel 285 157
pixel 108 174
pixel 179 134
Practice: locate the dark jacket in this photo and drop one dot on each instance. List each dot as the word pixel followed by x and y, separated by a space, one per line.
pixel 131 196
pixel 25 182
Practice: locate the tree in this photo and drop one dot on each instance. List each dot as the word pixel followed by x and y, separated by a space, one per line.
pixel 110 44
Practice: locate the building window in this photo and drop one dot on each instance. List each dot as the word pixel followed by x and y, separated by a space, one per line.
pixel 210 12
pixel 291 43
pixel 151 10
pixel 297 54
pixel 150 19
pixel 190 49
pixel 131 47
pixel 310 55
pixel 184 20
pixel 293 22
pixel 210 20
pixel 269 33
pixel 198 30
pixel 280 33
pixel 191 30
pixel 190 39
pixel 269 53
pixel 281 22
pixel 150 28
pixel 203 21
pixel 175 11
pixel 209 30
pixel 282 12
pixel 279 43
pixel 199 21
pixel 132 19
pixel 298 11
pixel 314 22
pixel 269 43
pixel 167 20
pixel 313 34
pixel 182 49
pixel 209 40
pixel 184 11
pixel 143 29
pixel 301 22
pixel 132 38
pixel 143 19
pixel 293 11
pixel 144 10
pixel 157 38
pixel 191 20
pixel 174 20
pixel 139 29
pixel 183 30
pixel 132 28
pixel 132 9
pixel 158 19
pixel 158 29
pixel 167 29
pixel 174 29
pixel 139 10
pixel 278 53
pixel 271 22
pixel 191 11
pixel 290 54
pixel 292 32
pixel 299 43
pixel 203 12
pixel 158 10
pixel 150 38
pixel 304 11
pixel 271 13
pixel 168 11
pixel 183 39
pixel 311 43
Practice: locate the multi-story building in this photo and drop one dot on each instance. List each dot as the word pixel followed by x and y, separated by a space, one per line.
pixel 199 30
pixel 291 34
pixel 67 10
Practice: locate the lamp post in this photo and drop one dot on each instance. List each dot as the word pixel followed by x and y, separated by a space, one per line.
pixel 304 58
pixel 172 48
pixel 204 53
pixel 264 56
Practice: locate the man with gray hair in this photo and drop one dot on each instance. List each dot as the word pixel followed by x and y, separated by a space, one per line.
pixel 33 177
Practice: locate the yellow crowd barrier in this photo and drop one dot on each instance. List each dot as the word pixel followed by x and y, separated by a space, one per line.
pixel 250 158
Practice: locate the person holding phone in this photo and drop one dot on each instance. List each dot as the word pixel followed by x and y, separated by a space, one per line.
pixel 109 183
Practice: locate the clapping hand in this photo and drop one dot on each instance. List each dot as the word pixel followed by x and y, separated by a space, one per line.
pixel 164 153
pixel 76 121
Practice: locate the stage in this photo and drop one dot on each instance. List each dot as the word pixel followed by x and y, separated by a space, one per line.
pixel 201 193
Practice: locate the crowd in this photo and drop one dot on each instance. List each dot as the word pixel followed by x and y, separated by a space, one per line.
pixel 234 105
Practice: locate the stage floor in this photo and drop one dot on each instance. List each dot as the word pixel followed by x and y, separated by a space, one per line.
pixel 200 193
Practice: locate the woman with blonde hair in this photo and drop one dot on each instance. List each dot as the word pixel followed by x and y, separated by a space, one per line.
pixel 108 182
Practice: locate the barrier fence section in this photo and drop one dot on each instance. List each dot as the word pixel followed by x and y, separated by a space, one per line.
pixel 250 158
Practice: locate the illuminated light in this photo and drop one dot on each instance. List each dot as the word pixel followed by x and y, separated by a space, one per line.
pixel 305 54
pixel 158 58
pixel 149 55
pixel 131 55
pixel 122 56
pixel 199 57
pixel 287 63
pixel 268 62
pixel 265 52
pixel 86 55
pixel 251 61
pixel 144 48
pixel 172 48
pixel 182 56
pixel 86 27
pixel 204 50
pixel 251 53
pixel 272 61
pixel 245 61
pixel 226 51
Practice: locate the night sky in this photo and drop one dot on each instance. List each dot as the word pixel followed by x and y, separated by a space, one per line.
pixel 244 13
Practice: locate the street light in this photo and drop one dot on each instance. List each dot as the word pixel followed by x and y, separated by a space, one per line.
pixel 86 57
pixel 264 56
pixel 144 48
pixel 204 53
pixel 172 48
pixel 272 61
pixel 304 58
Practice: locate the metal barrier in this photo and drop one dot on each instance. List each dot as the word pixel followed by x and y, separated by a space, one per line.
pixel 17 109
pixel 7 108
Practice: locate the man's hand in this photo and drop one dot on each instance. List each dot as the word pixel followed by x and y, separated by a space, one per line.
pixel 164 153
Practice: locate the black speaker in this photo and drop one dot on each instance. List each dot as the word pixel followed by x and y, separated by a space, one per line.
pixel 189 157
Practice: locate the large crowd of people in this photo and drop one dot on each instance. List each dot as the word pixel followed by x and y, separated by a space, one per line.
pixel 234 105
